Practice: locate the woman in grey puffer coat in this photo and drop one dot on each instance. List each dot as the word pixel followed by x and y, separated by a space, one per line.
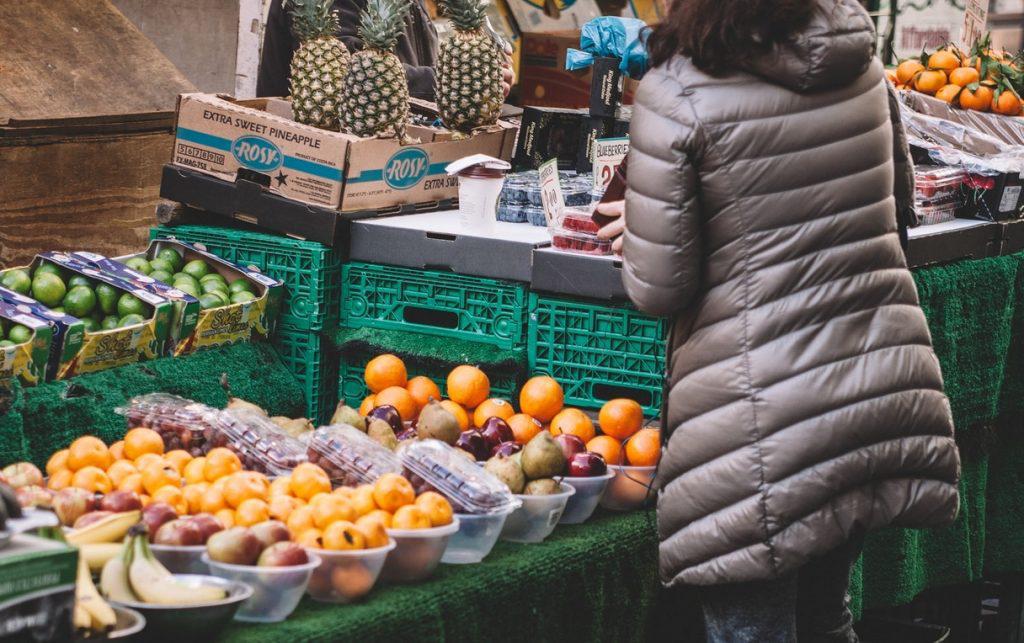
pixel 806 404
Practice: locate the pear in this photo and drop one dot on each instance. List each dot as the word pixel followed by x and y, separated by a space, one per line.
pixel 508 471
pixel 542 457
pixel 295 427
pixel 542 487
pixel 438 423
pixel 381 432
pixel 344 414
pixel 236 403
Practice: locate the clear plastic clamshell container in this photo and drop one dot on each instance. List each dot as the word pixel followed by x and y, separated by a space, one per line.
pixel 259 443
pixel 434 465
pixel 932 214
pixel 349 456
pixel 579 221
pixel 182 423
pixel 580 242
pixel 935 183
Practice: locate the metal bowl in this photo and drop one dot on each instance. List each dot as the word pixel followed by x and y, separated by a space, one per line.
pixel 196 622
pixel 129 625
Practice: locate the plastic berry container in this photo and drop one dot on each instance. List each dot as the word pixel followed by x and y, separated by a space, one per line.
pixel 432 465
pixel 578 221
pixel 182 423
pixel 349 456
pixel 259 443
pixel 932 214
pixel 580 242
pixel 514 190
pixel 512 212
pixel 535 216
pixel 932 183
pixel 576 193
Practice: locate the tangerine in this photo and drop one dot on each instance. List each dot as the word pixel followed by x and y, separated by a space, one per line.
pixel 226 518
pixel 468 386
pixel 930 81
pixel 147 460
pixel 607 447
pixel 542 397
pixel 92 479
pixel 945 60
pixel 57 461
pixel 88 451
pixel 343 535
pixel 60 480
pixel 281 507
pixel 644 448
pixel 330 508
pixel 374 533
pixel 524 427
pixel 1007 104
pixel 311 538
pixel 281 486
pixel 423 389
pixel 392 491
pixel 573 422
pixel 410 517
pixel 949 93
pixel 140 441
pixel 120 470
pixel 362 500
pixel 193 472
pixel 401 399
pixel 908 69
pixel 300 519
pixel 343 492
pixel 979 100
pixel 252 511
pixel 493 407
pixel 964 76
pixel 178 459
pixel 220 462
pixel 460 413
pixel 307 480
pixel 243 485
pixel 385 371
pixel 369 403
pixel 379 515
pixel 157 476
pixel 621 418
pixel 117 450
pixel 436 507
pixel 193 494
pixel 132 482
pixel 212 501
pixel 173 496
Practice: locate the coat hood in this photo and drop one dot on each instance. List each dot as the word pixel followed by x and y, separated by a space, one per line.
pixel 833 49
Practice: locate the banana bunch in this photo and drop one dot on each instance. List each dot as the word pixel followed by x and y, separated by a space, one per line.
pixel 92 614
pixel 111 529
pixel 136 576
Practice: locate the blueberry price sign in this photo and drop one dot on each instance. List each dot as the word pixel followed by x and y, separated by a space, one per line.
pixel 608 155
pixel 551 192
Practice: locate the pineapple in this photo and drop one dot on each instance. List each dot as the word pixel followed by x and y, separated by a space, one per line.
pixel 469 69
pixel 319 64
pixel 375 95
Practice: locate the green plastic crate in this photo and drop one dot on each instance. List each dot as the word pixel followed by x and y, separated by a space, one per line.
pixel 598 352
pixel 314 363
pixel 311 272
pixel 438 303
pixel 352 387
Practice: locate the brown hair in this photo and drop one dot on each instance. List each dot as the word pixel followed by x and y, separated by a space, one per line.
pixel 719 34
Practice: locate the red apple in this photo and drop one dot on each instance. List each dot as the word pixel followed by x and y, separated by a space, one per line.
pixel 283 554
pixel 23 474
pixel 72 503
pixel 587 465
pixel 121 501
pixel 571 445
pixel 180 532
pixel 34 496
pixel 207 524
pixel 474 443
pixel 270 532
pixel 155 515
pixel 235 546
pixel 507 449
pixel 91 517
pixel 496 430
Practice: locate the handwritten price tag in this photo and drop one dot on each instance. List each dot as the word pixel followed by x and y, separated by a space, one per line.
pixel 608 155
pixel 551 192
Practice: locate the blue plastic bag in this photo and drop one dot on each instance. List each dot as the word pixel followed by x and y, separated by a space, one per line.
pixel 623 38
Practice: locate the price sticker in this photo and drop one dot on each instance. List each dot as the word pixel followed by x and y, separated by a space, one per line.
pixel 608 155
pixel 551 192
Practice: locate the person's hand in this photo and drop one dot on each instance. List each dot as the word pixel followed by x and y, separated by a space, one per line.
pixel 508 77
pixel 614 229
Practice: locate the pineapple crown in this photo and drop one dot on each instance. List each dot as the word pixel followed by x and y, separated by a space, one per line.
pixel 312 19
pixel 466 15
pixel 382 22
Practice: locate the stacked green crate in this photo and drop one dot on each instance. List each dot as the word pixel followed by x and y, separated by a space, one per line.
pixel 434 320
pixel 311 273
pixel 598 351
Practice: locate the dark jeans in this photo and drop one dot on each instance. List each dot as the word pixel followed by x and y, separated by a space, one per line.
pixel 811 605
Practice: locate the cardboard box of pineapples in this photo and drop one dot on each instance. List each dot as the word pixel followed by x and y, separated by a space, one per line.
pixel 24 345
pixel 358 147
pixel 215 301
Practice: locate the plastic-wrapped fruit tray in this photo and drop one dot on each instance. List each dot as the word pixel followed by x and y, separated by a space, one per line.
pixel 182 423
pixel 933 183
pixel 578 221
pixel 349 456
pixel 259 443
pixel 580 242
pixel 511 212
pixel 434 465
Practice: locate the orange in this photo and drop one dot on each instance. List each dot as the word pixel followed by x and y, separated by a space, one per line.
pixel 193 472
pixel 218 484
pixel 890 75
pixel 379 515
pixel 141 441
pixel 949 93
pixel 88 451
pixel 436 507
pixel 385 371
pixel 460 413
pixel 947 61
pixel 92 479
pixel 212 501
pixel 178 459
pixel 281 507
pixel 343 535
pixel 57 461
pixel 410 517
pixel 621 418
pixel 132 482
pixel 964 76
pixel 468 386
pixel 607 447
pixel 173 496
pixel 401 399
pixel 347 493
pixel 930 81
pixel 331 508
pixel 392 491
pixel 117 450
pixel 542 397
pixel 193 494
pixel 311 538
pixel 156 476
pixel 252 511
pixel 492 408
pixel 369 403
pixel 300 520
pixel 60 480
pixel 524 427
pixel 1006 104
pixel 226 518
pixel 243 485
pixel 644 448
pixel 573 422
pixel 979 100
pixel 423 389
pixel 147 460
pixel 144 499
pixel 307 480
pixel 362 500
pixel 374 533
pixel 220 462
pixel 908 69
pixel 120 470
pixel 281 486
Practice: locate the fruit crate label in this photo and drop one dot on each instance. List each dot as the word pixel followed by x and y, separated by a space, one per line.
pixel 608 155
pixel 551 192
pixel 25 361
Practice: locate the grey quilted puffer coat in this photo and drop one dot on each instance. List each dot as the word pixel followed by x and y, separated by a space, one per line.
pixel 806 403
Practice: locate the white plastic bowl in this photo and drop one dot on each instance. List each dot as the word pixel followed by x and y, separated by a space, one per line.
pixel 536 519
pixel 276 590
pixel 181 559
pixel 347 576
pixel 476 537
pixel 417 553
pixel 583 503
pixel 631 488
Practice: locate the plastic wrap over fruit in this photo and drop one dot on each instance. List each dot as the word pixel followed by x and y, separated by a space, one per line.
pixel 182 423
pixel 260 444
pixel 349 456
pixel 432 465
